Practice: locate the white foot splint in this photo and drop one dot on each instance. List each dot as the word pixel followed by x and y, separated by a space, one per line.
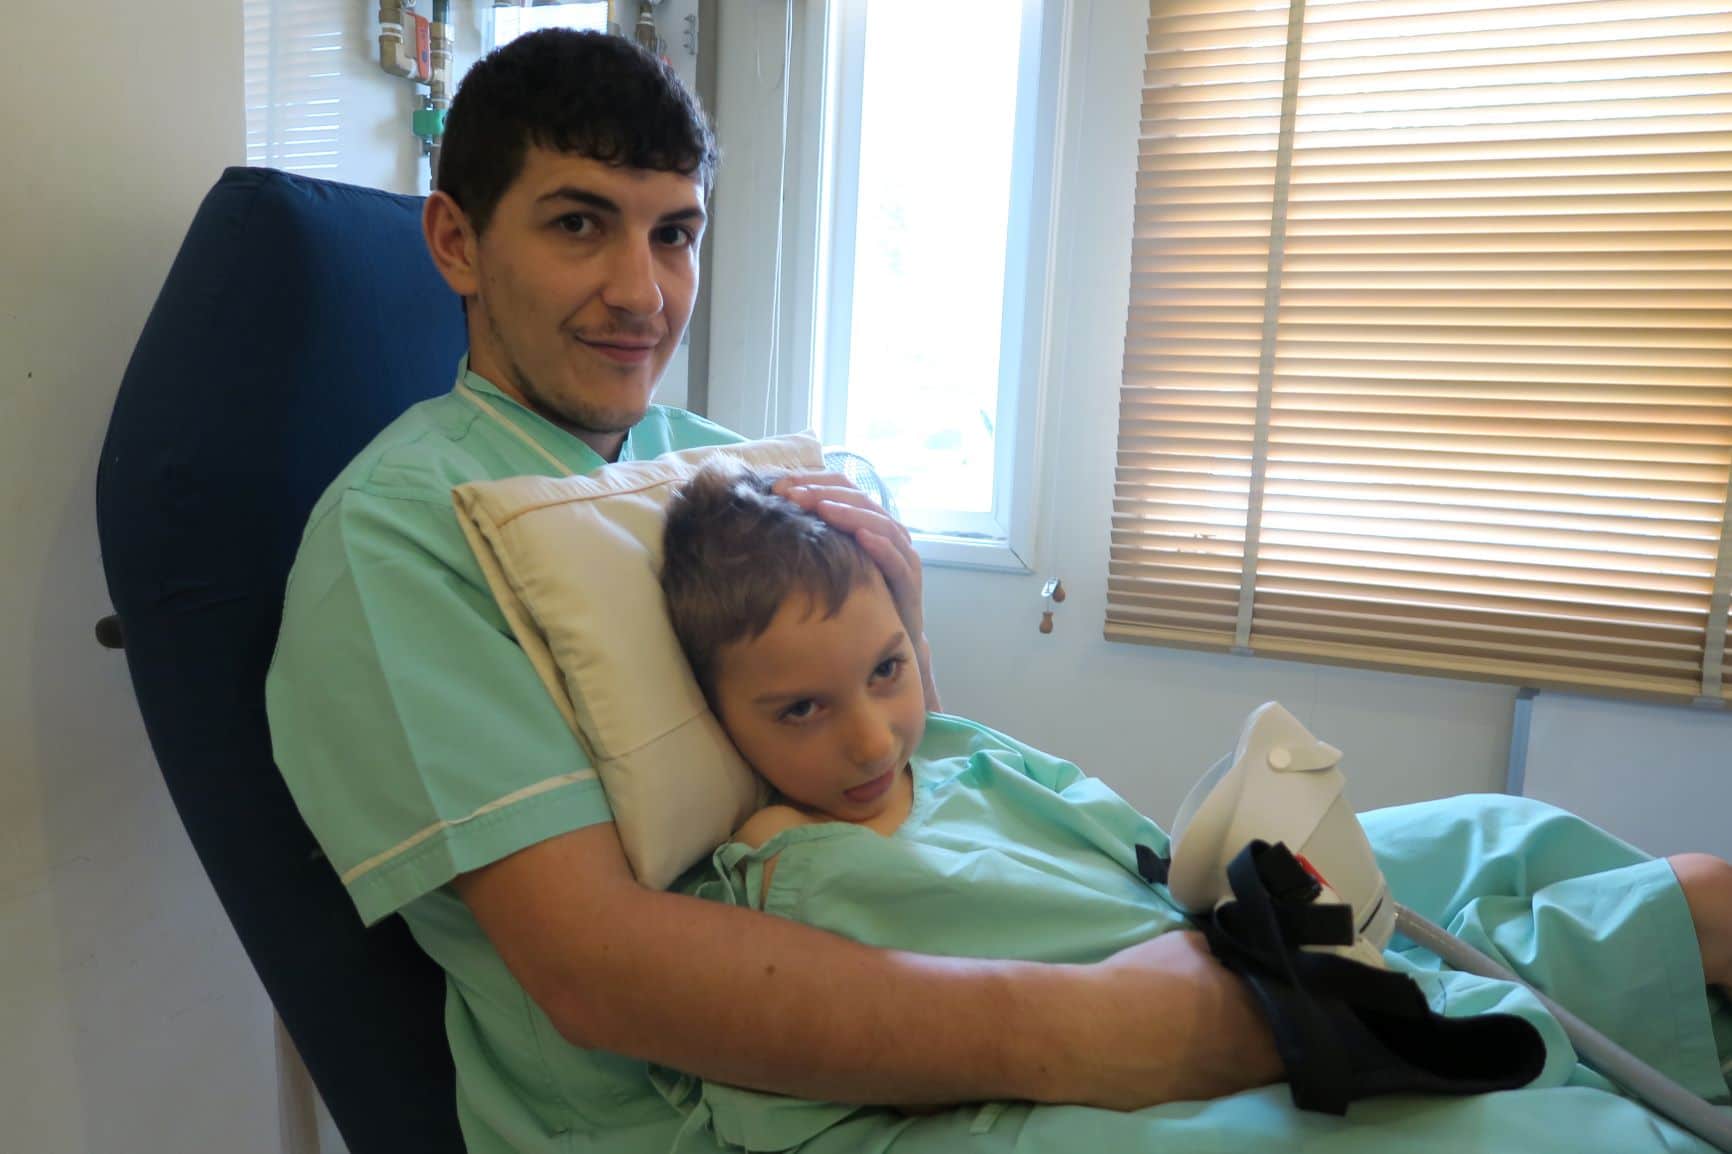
pixel 1281 785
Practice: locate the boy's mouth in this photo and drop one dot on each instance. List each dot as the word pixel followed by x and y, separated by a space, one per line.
pixel 872 789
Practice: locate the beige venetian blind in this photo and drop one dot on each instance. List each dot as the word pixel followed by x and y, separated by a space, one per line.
pixel 1429 356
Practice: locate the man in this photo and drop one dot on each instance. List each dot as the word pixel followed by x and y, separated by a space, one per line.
pixel 444 785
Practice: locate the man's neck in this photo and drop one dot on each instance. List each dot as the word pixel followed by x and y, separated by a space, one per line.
pixel 607 446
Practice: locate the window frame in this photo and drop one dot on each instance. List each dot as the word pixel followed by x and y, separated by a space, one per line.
pixel 811 348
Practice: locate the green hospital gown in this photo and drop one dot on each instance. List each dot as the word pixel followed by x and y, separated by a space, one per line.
pixel 419 743
pixel 1009 853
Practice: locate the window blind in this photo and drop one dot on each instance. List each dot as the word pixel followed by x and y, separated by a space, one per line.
pixel 293 76
pixel 1429 357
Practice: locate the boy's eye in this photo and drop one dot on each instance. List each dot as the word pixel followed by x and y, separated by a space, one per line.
pixel 889 667
pixel 799 711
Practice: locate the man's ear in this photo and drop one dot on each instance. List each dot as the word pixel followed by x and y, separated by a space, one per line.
pixel 452 243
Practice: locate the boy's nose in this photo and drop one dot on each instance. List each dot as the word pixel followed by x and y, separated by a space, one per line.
pixel 870 740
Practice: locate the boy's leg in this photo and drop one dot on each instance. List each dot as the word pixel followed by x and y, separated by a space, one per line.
pixel 1590 920
pixel 1707 884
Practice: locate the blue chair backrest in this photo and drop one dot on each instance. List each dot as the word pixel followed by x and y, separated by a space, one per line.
pixel 299 318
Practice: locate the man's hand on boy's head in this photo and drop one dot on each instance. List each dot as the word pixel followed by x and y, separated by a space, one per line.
pixel 834 497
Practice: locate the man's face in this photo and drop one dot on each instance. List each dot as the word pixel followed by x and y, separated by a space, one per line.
pixel 582 286
pixel 828 709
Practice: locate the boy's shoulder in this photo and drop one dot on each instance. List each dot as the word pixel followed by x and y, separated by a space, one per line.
pixel 770 821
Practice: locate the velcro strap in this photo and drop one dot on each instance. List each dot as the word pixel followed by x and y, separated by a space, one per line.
pixel 1152 866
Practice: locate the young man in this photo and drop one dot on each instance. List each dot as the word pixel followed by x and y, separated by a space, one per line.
pixel 444 786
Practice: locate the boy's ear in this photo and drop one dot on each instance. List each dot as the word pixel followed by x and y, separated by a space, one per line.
pixel 452 243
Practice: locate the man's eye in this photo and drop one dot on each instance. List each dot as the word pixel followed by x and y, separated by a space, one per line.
pixel 799 711
pixel 575 223
pixel 675 236
pixel 887 668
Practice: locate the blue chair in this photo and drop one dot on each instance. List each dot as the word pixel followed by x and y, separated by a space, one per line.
pixel 299 318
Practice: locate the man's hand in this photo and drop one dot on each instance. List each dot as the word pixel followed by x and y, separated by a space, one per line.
pixel 833 497
pixel 1172 986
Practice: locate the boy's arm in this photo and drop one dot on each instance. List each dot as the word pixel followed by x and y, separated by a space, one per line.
pixel 759 1001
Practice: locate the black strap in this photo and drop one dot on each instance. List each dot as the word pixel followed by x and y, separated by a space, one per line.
pixel 1346 1030
pixel 1152 866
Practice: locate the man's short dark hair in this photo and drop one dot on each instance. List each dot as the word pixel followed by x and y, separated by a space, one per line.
pixel 734 552
pixel 586 93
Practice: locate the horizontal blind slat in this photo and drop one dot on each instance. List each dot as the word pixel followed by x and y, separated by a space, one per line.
pixel 1501 422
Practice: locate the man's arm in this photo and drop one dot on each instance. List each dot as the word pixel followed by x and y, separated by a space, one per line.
pixel 746 998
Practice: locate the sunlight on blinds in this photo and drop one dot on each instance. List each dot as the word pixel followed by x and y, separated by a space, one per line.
pixel 1429 357
pixel 294 82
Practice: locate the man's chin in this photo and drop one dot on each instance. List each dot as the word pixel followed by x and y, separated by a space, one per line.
pixel 603 420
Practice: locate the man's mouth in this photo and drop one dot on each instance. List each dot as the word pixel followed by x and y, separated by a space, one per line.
pixel 625 352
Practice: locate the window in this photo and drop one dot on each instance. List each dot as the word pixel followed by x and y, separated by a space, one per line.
pixel 1429 356
pixel 933 241
pixel 510 22
pixel 293 65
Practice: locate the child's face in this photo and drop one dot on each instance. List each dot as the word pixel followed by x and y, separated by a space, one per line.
pixel 828 709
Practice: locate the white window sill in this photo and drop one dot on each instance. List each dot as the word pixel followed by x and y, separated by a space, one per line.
pixel 969 553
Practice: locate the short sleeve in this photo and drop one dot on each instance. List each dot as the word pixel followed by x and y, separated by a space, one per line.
pixel 411 729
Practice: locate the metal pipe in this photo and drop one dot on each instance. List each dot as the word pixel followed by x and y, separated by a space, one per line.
pixel 1609 1058
pixel 439 83
pixel 394 56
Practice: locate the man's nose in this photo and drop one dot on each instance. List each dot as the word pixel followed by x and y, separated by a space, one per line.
pixel 632 285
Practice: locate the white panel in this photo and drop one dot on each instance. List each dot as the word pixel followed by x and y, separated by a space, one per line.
pixel 1658 776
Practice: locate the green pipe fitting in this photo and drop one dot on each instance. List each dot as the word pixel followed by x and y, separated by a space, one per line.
pixel 428 123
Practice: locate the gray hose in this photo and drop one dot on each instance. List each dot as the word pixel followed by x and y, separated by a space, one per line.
pixel 1696 1115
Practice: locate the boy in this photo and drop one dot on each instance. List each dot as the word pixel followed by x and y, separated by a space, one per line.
pixel 909 831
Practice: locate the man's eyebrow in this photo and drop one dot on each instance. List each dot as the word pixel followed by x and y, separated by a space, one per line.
pixel 595 200
pixel 579 196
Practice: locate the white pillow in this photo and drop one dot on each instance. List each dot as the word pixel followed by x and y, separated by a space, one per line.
pixel 575 564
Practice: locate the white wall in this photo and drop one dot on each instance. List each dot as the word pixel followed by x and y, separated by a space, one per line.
pixel 1148 720
pixel 129 1017
pixel 744 217
pixel 1658 776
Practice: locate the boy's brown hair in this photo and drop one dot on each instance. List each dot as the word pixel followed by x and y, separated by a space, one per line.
pixel 734 552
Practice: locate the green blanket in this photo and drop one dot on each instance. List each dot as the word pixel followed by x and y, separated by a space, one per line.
pixel 1010 853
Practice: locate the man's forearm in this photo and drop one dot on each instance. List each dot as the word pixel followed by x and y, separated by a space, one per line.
pixel 759 1001
pixel 738 996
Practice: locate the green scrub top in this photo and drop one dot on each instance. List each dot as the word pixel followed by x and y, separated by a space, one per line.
pixel 419 744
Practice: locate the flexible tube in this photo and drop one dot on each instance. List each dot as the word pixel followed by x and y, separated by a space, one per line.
pixel 1707 1122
